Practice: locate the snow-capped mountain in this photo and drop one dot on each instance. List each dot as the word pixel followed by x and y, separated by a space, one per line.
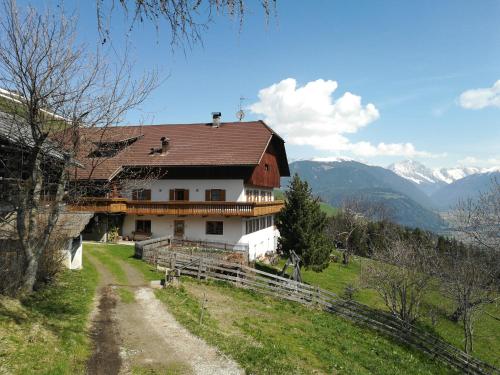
pixel 420 174
pixel 416 172
pixel 450 175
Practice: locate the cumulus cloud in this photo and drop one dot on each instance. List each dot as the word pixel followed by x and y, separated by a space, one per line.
pixel 481 98
pixel 309 115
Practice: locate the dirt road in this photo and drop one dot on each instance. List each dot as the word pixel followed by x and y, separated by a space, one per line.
pixel 141 335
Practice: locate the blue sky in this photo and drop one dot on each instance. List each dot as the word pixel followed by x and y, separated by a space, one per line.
pixel 412 60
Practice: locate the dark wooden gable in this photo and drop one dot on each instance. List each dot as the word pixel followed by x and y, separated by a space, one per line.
pixel 267 172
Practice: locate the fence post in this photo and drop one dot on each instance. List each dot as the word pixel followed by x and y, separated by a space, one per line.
pixel 199 268
pixel 174 260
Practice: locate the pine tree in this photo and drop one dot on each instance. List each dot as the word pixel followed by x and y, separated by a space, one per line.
pixel 302 226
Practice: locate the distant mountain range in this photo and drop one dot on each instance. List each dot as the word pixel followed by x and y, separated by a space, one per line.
pixel 446 186
pixel 413 193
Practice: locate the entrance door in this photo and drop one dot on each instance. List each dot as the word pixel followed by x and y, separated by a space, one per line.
pixel 179 228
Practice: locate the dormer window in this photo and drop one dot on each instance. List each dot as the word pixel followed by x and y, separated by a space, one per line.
pixel 108 149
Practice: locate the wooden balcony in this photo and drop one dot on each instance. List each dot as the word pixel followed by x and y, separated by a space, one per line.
pixel 177 208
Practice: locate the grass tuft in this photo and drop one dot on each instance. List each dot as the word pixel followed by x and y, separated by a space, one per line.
pixel 126 295
pixel 46 333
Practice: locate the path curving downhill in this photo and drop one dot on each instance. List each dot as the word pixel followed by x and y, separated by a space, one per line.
pixel 143 334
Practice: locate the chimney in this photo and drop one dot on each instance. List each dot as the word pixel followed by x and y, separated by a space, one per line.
pixel 216 119
pixel 164 144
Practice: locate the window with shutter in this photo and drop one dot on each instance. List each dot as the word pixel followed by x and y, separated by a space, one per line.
pixel 141 194
pixel 216 195
pixel 179 194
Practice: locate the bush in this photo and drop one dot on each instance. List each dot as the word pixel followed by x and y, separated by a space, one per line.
pixel 113 234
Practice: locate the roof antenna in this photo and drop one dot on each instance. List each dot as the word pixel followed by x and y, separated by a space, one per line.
pixel 240 115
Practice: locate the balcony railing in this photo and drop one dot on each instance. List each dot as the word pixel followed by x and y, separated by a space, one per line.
pixel 177 208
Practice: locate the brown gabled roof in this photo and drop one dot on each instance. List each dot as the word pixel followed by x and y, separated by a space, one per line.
pixel 231 144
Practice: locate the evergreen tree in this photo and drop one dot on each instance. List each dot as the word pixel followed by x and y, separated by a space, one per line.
pixel 302 226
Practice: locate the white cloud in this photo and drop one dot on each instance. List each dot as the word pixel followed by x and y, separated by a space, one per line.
pixel 473 161
pixel 308 115
pixel 331 158
pixel 481 98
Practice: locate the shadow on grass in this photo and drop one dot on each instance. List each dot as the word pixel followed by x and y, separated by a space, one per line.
pixel 266 268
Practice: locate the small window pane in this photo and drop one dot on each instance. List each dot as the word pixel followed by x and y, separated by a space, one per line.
pixel 143 226
pixel 215 227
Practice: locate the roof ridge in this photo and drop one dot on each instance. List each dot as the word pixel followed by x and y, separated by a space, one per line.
pixel 192 123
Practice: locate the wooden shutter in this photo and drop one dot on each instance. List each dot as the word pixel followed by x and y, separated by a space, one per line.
pixel 207 195
pixel 172 195
pixel 186 194
pixel 223 195
pixel 147 194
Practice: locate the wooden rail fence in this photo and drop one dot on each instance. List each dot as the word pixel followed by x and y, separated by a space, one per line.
pixel 208 268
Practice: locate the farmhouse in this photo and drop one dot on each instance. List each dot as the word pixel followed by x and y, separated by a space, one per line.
pixel 210 182
pixel 16 143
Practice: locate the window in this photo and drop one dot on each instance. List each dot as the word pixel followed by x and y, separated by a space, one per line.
pixel 269 221
pixel 259 223
pixel 263 195
pixel 215 195
pixel 143 226
pixel 266 167
pixel 249 195
pixel 215 227
pixel 179 195
pixel 141 194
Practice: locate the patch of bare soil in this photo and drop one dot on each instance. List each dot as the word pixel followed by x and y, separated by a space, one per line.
pixel 105 358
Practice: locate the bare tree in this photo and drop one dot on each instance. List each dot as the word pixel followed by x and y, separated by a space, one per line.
pixel 354 216
pixel 55 87
pixel 186 19
pixel 471 275
pixel 400 276
pixel 470 278
pixel 479 219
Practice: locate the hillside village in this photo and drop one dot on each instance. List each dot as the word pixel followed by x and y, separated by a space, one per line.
pixel 203 246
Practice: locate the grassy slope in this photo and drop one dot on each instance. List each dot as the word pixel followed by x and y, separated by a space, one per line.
pixel 47 333
pixel 267 336
pixel 487 332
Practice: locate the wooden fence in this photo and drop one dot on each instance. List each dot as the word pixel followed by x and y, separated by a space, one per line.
pixel 219 250
pixel 207 268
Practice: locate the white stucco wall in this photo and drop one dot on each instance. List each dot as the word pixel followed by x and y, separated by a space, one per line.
pixel 160 188
pixel 194 227
pixel 236 190
pixel 259 242
pixel 73 262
